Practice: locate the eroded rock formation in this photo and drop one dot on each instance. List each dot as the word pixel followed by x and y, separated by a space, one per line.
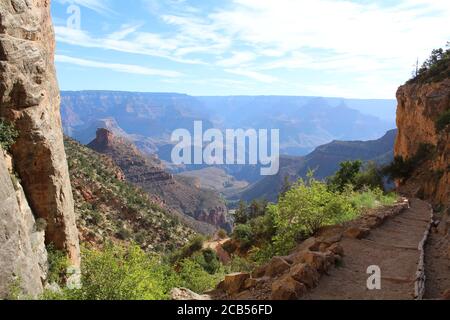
pixel 149 173
pixel 419 106
pixel 29 99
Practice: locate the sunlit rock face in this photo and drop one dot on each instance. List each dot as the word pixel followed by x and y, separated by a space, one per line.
pixel 29 98
pixel 419 106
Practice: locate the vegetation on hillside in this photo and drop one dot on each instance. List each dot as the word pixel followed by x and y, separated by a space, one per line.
pixel 305 208
pixel 126 271
pixel 352 173
pixel 108 208
pixel 8 134
pixel 443 121
pixel 435 68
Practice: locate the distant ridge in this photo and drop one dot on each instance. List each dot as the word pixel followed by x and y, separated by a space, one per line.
pixel 150 118
pixel 325 161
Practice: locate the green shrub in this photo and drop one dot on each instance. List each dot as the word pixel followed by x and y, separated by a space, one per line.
pixel 346 175
pixel 15 291
pixel 353 173
pixel 193 246
pixel 443 121
pixel 372 198
pixel 57 265
pixel 306 208
pixel 8 135
pixel 124 233
pixel 209 261
pixel 244 234
pixel 222 234
pixel 371 177
pixel 435 68
pixel 241 214
pixel 261 255
pixel 194 277
pixel 240 264
pixel 121 273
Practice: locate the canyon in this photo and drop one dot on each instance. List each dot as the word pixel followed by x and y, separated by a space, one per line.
pixel 116 185
pixel 177 192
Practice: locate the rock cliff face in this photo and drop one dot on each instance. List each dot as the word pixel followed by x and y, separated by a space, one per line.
pixel 23 257
pixel 178 193
pixel 419 106
pixel 29 99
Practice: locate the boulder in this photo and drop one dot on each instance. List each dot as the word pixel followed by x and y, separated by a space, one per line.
pixel 186 294
pixel 356 232
pixel 305 274
pixel 330 234
pixel 312 244
pixel 321 261
pixel 324 247
pixel 276 266
pixel 234 282
pixel 259 272
pixel 336 249
pixel 252 282
pixel 287 288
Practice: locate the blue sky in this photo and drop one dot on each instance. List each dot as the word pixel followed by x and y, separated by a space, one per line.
pixel 353 49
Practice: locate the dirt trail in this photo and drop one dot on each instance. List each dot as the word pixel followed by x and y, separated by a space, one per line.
pixel 393 247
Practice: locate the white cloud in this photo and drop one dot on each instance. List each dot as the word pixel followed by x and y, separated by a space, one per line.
pixel 142 43
pixel 253 75
pixel 237 59
pixel 125 68
pixel 366 41
pixel 343 27
pixel 125 31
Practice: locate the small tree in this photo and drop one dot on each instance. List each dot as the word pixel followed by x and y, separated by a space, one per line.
pixel 346 175
pixel 241 214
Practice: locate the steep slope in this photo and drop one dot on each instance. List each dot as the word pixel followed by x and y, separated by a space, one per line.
pixel 110 209
pixel 423 118
pixel 30 101
pixel 420 105
pixel 325 161
pixel 179 193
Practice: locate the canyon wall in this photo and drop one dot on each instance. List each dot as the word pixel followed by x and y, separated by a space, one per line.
pixel 30 100
pixel 23 257
pixel 419 106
